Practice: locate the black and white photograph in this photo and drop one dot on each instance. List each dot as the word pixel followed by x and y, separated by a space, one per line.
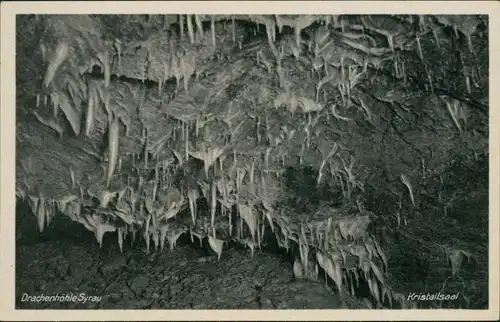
pixel 190 161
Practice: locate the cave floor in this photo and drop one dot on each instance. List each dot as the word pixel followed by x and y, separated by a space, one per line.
pixel 187 277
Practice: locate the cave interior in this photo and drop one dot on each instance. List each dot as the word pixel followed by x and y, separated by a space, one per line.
pixel 352 150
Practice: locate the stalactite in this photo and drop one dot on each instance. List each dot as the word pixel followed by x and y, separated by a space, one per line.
pixel 120 239
pixel 199 26
pixel 113 146
pixel 61 53
pixel 186 140
pixel 233 30
pixel 190 28
pixel 212 27
pixel 213 204
pixel 181 26
pixel 419 47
